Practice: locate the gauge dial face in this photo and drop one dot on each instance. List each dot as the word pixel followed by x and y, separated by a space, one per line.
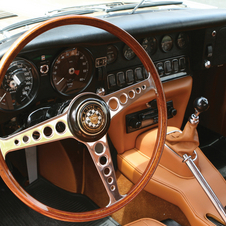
pixel 112 54
pixel 167 43
pixel 150 45
pixel 19 85
pixel 71 71
pixel 182 40
pixel 128 53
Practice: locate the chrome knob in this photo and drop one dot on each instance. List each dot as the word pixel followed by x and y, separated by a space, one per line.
pixel 207 64
pixel 200 104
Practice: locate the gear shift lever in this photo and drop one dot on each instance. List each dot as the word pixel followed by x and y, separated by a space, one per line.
pixel 200 104
pixel 187 141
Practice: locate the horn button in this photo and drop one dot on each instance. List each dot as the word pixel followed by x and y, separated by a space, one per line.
pixel 88 117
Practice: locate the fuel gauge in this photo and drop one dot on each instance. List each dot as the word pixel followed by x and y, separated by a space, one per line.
pixel 182 40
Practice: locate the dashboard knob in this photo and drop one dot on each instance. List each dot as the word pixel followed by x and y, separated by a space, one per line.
pixel 135 123
pixel 173 112
pixel 207 64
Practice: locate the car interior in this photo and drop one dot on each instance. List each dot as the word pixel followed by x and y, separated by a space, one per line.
pixel 115 120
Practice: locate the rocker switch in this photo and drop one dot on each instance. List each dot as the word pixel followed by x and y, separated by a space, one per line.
pixel 209 51
pixel 160 69
pixel 168 67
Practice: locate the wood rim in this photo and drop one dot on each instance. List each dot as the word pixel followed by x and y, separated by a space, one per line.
pixel 162 123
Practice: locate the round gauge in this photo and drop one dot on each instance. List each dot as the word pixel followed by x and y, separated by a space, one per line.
pixel 167 43
pixel 182 40
pixel 128 53
pixel 71 71
pixel 112 54
pixel 19 86
pixel 150 45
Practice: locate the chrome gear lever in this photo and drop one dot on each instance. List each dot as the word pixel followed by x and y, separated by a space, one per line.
pixel 200 104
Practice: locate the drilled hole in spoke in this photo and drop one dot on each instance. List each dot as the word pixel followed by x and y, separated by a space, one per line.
pixel 99 148
pixel 113 104
pixel 48 131
pixel 60 127
pixel 123 98
pixel 110 180
pixel 16 142
pixel 138 90
pixel 144 87
pixel 112 187
pixel 36 135
pixel 131 94
pixel 107 171
pixel 103 160
pixel 25 139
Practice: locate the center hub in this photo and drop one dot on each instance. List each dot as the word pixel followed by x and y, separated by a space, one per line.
pixel 88 117
pixel 91 118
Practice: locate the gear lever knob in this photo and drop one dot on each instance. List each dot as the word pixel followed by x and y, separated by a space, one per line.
pixel 200 104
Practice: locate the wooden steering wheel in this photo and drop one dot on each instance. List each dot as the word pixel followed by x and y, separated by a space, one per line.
pixel 75 126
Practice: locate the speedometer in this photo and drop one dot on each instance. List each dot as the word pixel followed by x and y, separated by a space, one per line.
pixel 72 71
pixel 19 85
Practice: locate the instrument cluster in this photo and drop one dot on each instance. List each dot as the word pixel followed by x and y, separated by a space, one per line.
pixel 71 71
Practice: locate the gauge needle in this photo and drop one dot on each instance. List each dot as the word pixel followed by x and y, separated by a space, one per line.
pixel 60 81
pixel 77 72
pixel 17 80
pixel 2 97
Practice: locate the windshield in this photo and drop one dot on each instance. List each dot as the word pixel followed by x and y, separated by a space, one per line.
pixel 28 8
pixel 17 14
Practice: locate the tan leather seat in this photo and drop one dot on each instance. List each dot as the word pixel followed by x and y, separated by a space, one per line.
pixel 146 222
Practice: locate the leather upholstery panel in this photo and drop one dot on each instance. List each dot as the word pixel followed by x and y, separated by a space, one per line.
pixel 146 222
pixel 185 192
pixel 145 144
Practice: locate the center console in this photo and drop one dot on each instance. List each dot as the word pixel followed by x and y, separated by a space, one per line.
pixel 176 181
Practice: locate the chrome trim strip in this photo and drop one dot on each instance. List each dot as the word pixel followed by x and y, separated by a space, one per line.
pixel 174 131
pixel 205 186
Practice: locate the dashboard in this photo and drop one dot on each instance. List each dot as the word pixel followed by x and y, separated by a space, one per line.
pixel 65 72
pixel 66 61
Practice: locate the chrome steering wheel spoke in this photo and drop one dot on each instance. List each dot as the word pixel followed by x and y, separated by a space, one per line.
pixel 100 153
pixel 48 131
pixel 119 100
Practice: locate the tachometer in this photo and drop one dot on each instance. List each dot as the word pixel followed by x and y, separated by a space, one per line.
pixel 71 71
pixel 19 85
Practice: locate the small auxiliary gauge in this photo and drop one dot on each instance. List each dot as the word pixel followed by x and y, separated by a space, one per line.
pixel 182 40
pixel 112 54
pixel 128 53
pixel 167 43
pixel 150 45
